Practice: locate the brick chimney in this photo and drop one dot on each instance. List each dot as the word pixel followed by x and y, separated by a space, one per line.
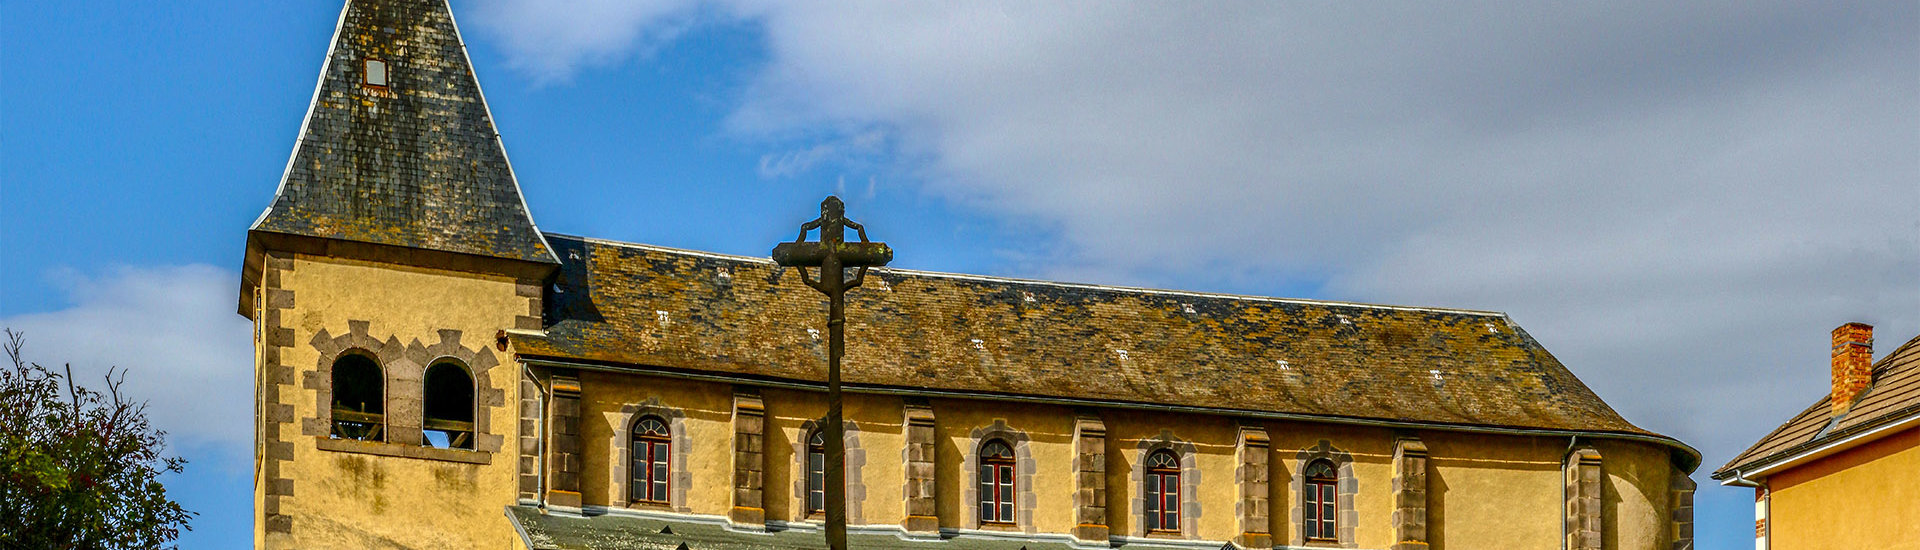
pixel 1852 364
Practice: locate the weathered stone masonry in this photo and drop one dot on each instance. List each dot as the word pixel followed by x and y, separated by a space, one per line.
pixel 530 433
pixel 749 459
pixel 922 517
pixel 1682 499
pixel 1583 477
pixel 277 381
pixel 563 441
pixel 1409 494
pixel 1254 483
pixel 1090 479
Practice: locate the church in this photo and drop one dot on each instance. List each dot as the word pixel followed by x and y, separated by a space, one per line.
pixel 434 371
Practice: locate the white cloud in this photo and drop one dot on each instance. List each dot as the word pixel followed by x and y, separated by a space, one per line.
pixel 1678 198
pixel 175 332
pixel 790 163
pixel 551 40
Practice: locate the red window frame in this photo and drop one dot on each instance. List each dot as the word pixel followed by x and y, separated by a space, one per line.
pixel 997 490
pixel 816 473
pixel 652 454
pixel 1163 492
pixel 1320 499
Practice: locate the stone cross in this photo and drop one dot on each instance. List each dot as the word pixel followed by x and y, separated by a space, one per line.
pixel 833 255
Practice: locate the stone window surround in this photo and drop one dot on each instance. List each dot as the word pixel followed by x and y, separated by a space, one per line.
pixel 1347 487
pixel 403 367
pixel 1189 485
pixel 856 461
pixel 680 480
pixel 1023 468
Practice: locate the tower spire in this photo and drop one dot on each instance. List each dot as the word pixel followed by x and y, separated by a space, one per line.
pixel 399 148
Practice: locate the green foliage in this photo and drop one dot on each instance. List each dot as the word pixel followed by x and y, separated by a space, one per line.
pixel 79 468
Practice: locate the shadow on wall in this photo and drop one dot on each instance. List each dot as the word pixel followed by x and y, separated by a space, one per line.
pixel 779 446
pixel 1436 510
pixel 947 484
pixel 1279 498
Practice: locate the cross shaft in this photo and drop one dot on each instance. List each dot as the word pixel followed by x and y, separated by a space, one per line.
pixel 832 255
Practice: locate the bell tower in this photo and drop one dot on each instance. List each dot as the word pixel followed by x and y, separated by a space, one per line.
pixel 395 249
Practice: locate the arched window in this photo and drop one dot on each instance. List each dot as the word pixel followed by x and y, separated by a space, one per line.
pixel 1163 491
pixel 996 482
pixel 448 407
pixel 1317 497
pixel 816 472
pixel 652 444
pixel 359 393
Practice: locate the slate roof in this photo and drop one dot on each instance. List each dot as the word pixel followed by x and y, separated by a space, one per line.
pixel 1893 396
pixel 639 305
pixel 542 531
pixel 415 164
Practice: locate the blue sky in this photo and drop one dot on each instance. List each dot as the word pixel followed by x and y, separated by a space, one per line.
pixel 1679 200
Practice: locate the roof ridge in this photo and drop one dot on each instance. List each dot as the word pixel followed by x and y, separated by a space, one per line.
pixel 1743 456
pixel 1886 362
pixel 1042 282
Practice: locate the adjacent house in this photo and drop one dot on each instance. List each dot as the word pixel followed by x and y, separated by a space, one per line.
pixel 1841 474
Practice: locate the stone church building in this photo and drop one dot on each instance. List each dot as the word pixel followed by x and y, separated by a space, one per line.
pixel 433 371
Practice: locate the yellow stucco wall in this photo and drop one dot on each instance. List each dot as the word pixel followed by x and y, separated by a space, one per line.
pixel 1865 497
pixel 352 500
pixel 1485 491
pixel 1213 446
pixel 1482 489
pixel 877 437
pixel 703 434
pixel 1371 450
pixel 1635 497
pixel 1049 430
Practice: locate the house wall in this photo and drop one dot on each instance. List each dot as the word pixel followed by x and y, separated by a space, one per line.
pixel 1864 497
pixel 380 495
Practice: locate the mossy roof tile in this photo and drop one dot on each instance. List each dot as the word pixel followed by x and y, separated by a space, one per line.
pixel 628 304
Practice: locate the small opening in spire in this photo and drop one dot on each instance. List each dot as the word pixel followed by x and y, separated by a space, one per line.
pixel 375 73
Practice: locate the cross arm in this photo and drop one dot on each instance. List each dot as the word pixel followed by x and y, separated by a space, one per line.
pixel 850 254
